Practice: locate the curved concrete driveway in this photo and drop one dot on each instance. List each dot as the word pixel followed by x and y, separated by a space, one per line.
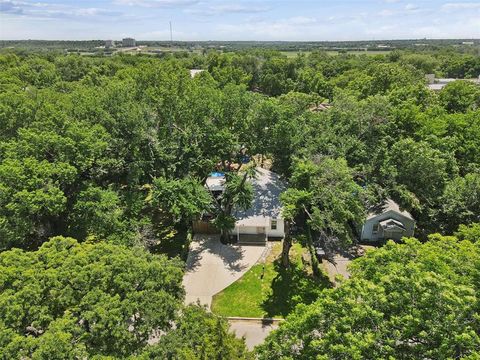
pixel 212 266
pixel 253 330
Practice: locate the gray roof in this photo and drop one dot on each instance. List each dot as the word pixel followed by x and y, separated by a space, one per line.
pixel 194 72
pixel 436 86
pixel 267 187
pixel 388 205
pixel 439 84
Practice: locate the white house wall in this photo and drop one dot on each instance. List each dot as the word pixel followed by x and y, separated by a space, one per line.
pixel 279 232
pixel 253 230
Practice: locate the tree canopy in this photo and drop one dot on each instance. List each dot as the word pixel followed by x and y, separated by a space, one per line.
pixel 406 301
pixel 84 300
pixel 86 138
pixel 114 151
pixel 96 299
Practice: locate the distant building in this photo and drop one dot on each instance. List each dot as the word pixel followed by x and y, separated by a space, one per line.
pixel 109 44
pixel 468 43
pixel 320 107
pixel 195 72
pixel 129 42
pixel 430 78
pixel 387 221
pixel 438 84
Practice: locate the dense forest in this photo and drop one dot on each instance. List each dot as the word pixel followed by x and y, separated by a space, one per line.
pixel 103 162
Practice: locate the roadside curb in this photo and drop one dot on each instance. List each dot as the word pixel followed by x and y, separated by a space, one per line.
pixel 262 320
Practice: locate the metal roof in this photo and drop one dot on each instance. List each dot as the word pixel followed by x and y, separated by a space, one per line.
pixel 388 205
pixel 194 72
pixel 215 183
pixel 267 187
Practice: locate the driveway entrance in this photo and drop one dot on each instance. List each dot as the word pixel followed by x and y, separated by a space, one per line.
pixel 212 266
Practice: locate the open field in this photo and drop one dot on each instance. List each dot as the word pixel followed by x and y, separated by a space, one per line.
pixel 334 52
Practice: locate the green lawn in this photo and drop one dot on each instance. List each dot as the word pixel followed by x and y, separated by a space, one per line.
pixel 271 291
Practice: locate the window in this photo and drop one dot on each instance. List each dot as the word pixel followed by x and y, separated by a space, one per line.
pixel 375 228
pixel 273 225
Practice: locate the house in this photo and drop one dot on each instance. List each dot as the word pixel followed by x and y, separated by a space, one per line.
pixel 195 72
pixel 387 221
pixel 263 220
pixel 320 107
pixel 438 84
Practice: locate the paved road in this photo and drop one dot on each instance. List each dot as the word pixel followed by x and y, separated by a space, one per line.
pixel 212 266
pixel 254 332
pixel 339 265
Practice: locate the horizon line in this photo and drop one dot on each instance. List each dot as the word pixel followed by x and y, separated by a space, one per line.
pixel 271 41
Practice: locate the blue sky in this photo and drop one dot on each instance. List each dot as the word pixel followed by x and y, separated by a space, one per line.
pixel 239 20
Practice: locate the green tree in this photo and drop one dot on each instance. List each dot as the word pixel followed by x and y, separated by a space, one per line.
pixel 470 232
pixel 69 299
pixel 38 72
pixel 324 195
pixel 32 198
pixel 460 202
pixel 97 214
pixel 277 76
pixel 403 301
pixel 423 170
pixel 72 67
pixel 172 205
pixel 181 201
pixel 198 336
pixel 460 96
pixel 237 194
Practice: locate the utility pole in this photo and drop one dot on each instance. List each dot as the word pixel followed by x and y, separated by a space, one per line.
pixel 171 36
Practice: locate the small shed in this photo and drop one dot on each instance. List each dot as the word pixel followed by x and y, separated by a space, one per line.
pixel 387 221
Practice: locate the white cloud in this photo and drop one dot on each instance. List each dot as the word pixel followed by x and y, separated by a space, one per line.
pixel 239 20
pixel 10 7
pixel 408 10
pixel 227 8
pixel 411 7
pixel 157 3
pixel 239 8
pixel 302 20
pixel 448 7
pixel 165 35
pixel 386 12
pixel 293 28
pixel 359 16
pixel 52 10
